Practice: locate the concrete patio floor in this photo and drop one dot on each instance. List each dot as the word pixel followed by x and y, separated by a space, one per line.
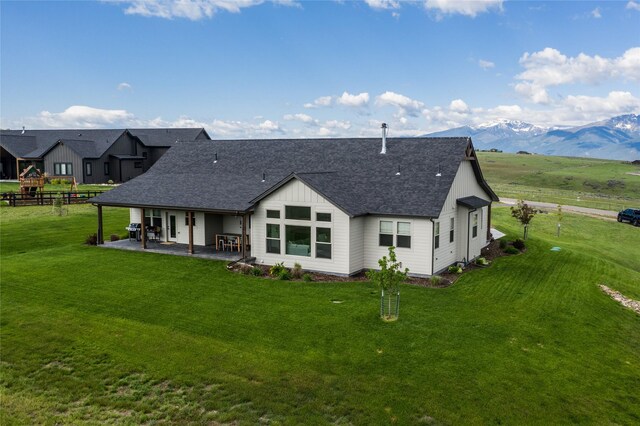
pixel 206 252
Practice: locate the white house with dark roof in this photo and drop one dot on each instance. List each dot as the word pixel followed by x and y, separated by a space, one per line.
pixel 332 205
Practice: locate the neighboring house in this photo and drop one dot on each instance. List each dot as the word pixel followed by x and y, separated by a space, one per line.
pixel 332 205
pixel 89 155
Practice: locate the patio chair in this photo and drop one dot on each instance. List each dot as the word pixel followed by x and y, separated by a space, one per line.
pixel 232 243
pixel 220 244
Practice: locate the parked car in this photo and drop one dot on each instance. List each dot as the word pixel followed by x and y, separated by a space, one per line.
pixel 630 215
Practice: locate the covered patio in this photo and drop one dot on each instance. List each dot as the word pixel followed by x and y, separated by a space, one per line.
pixel 176 249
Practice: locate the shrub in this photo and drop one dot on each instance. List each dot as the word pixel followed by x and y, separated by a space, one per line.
pixel 519 244
pixel 64 182
pixel 284 275
pixel 511 250
pixel 54 181
pixel 296 271
pixel 307 277
pixel 482 261
pixel 503 244
pixel 245 269
pixel 110 182
pixel 92 240
pixel 256 271
pixel 455 269
pixel 277 269
pixel 115 237
pixel 436 279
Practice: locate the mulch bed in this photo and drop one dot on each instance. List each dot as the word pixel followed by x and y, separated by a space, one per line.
pixel 491 252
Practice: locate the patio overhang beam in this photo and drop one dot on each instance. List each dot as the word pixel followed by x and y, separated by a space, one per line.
pixel 185 208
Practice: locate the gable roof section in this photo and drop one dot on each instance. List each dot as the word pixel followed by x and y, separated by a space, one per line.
pixel 166 137
pixel 350 173
pixel 19 146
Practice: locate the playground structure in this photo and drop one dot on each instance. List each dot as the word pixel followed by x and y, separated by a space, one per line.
pixel 31 181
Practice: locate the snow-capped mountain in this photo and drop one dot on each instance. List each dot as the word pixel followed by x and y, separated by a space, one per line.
pixel 616 138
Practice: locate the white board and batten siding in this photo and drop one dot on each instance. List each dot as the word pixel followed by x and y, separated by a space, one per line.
pixel 295 193
pixel 417 258
pixel 464 185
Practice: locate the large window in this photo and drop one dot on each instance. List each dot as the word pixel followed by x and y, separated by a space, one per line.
pixel 386 233
pixel 297 213
pixel 436 234
pixel 323 243
pixel 298 240
pixel 451 230
pixel 474 231
pixel 273 238
pixel 88 168
pixel 403 239
pixel 62 169
pixel 152 217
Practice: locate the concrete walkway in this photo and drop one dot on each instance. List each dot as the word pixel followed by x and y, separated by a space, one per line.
pixel 565 208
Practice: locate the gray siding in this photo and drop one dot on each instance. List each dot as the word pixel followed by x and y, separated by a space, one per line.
pixel 62 154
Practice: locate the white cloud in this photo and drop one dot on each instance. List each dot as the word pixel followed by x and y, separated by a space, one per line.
pixel 633 5
pixel 615 103
pixel 595 13
pixel 485 65
pixel 337 124
pixel 322 101
pixel 359 100
pixel 406 105
pixel 463 7
pixel 80 116
pixel 549 67
pixel 191 9
pixel 124 86
pixel 383 4
pixel 459 106
pixel 304 118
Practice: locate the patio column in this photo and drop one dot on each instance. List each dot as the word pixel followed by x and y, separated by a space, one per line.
pixel 244 236
pixel 100 232
pixel 143 230
pixel 190 217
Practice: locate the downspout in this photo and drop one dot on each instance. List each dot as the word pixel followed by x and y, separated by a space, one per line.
pixel 433 250
pixel 469 232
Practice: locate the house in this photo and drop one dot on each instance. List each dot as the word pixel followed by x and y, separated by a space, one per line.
pixel 332 205
pixel 89 155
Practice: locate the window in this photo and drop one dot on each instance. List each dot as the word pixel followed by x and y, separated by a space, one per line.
pixel 273 238
pixel 451 230
pixel 323 217
pixel 152 217
pixel 273 214
pixel 298 240
pixel 403 239
pixel 186 219
pixel 323 243
pixel 62 169
pixel 106 168
pixel 386 233
pixel 474 232
pixel 297 212
pixel 436 234
pixel 88 168
pixel 137 164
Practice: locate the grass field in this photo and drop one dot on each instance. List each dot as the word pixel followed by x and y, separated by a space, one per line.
pixel 15 187
pixel 92 335
pixel 601 184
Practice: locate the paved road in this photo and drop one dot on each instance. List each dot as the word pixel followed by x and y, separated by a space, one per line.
pixel 553 206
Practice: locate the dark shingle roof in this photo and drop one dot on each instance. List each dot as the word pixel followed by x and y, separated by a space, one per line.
pixel 165 137
pixel 351 173
pixel 88 143
pixel 472 202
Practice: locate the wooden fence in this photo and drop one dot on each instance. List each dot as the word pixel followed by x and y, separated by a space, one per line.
pixel 45 198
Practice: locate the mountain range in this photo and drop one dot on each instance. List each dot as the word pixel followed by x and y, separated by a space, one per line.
pixel 617 138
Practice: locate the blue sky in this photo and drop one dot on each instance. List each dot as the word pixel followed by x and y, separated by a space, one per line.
pixel 313 69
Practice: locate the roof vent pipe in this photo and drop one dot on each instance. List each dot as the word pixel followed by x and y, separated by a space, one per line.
pixel 384 138
pixel 264 176
pixel 215 159
pixel 22 130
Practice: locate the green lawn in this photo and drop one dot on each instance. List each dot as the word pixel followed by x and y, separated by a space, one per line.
pixel 603 184
pixel 92 335
pixel 15 187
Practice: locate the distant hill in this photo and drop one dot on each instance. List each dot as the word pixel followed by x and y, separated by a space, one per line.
pixel 617 138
